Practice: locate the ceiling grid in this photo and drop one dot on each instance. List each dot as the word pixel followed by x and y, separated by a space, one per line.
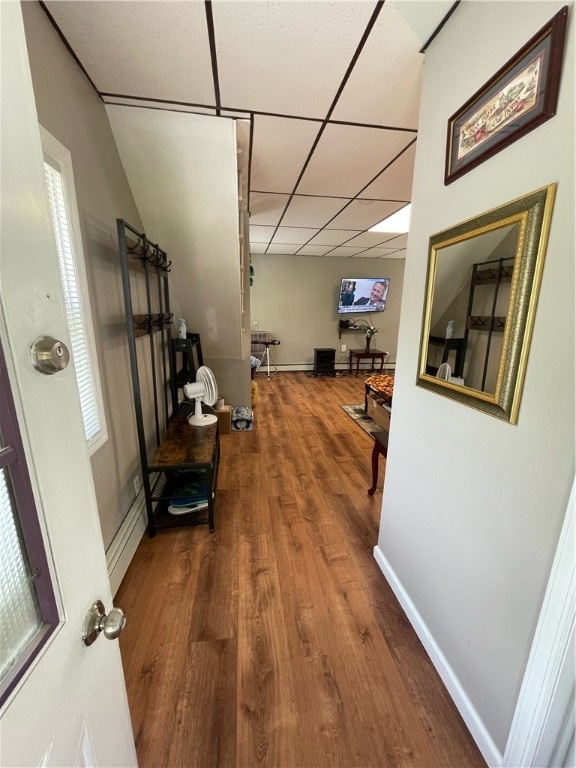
pixel 330 92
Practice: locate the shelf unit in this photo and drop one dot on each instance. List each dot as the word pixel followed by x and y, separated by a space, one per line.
pixel 491 274
pixel 448 345
pixel 184 455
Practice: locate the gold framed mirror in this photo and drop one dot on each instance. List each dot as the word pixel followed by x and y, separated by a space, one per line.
pixel 481 293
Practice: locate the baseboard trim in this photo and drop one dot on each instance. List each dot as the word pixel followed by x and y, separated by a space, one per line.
pixel 364 368
pixel 478 730
pixel 123 547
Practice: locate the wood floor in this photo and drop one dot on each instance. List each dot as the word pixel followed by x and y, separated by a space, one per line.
pixel 276 641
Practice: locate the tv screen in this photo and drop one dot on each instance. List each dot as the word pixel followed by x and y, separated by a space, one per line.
pixel 363 294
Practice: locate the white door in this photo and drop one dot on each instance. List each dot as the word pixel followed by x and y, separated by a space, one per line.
pixel 70 709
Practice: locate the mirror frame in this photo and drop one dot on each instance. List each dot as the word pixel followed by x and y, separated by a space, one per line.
pixel 533 212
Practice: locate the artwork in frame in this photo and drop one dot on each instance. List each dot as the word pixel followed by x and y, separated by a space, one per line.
pixel 519 97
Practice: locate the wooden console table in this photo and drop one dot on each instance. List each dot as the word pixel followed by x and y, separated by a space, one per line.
pixel 361 354
pixel 380 448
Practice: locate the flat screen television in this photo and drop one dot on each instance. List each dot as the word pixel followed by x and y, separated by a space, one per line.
pixel 363 294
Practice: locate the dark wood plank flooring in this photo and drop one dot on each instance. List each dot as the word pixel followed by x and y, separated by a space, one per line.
pixel 276 641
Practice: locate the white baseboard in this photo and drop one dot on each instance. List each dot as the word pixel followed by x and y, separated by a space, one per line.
pixel 121 551
pixel 469 714
pixel 364 368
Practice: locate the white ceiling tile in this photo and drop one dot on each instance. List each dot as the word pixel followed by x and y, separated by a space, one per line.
pixel 258 247
pixel 266 208
pixel 343 250
pixel 332 237
pixel 263 46
pixel 380 251
pixel 385 89
pixel 279 151
pixel 149 104
pixel 396 182
pixel 364 216
pixel 367 239
pixel 309 211
pixel 297 235
pixel 259 234
pixel 282 249
pixel 314 250
pixel 152 49
pixel 394 240
pixel 347 158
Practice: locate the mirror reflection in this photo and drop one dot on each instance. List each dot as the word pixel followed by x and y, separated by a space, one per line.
pixel 481 294
pixel 470 304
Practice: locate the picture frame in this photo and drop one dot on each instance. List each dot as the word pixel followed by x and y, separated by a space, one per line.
pixel 522 95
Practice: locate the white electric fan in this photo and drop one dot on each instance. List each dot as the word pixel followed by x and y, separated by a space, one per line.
pixel 204 389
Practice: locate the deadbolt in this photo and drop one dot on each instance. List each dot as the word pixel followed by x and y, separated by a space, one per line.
pixel 49 355
pixel 97 621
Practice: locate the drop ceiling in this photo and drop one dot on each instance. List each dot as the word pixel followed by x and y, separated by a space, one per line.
pixel 326 96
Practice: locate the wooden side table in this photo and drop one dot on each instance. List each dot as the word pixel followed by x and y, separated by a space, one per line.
pixel 361 354
pixel 380 447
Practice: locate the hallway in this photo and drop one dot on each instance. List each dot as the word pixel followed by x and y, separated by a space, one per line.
pixel 276 641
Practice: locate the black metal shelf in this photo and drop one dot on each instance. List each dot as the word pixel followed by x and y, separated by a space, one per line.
pixel 180 447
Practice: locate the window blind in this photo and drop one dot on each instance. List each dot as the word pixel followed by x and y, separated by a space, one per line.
pixel 85 375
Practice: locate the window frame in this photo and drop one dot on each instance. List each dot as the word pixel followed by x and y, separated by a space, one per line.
pixel 13 459
pixel 57 155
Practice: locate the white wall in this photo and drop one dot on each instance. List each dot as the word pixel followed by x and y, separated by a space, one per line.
pixel 473 506
pixel 296 298
pixel 182 170
pixel 71 111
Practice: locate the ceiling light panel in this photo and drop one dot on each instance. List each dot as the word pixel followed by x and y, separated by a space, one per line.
pixel 151 49
pixel 262 46
pixel 296 235
pixel 347 158
pixel 266 208
pixel 279 150
pixel 395 183
pixel 312 211
pixel 360 216
pixel 385 89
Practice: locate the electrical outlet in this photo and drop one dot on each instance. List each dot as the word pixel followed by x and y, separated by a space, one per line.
pixel 255 322
pixel 343 348
pixel 137 485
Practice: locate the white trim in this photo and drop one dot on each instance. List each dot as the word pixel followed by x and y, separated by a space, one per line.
pixel 343 367
pixel 534 718
pixel 469 714
pixel 61 155
pixel 124 545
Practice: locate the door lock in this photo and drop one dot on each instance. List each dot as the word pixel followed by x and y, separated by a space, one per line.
pixel 49 355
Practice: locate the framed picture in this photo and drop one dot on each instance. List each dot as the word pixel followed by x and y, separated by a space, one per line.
pixel 519 97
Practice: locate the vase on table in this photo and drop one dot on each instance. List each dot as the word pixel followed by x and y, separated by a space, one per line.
pixel 368 340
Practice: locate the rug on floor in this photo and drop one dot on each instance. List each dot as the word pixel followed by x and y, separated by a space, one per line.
pixel 358 414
